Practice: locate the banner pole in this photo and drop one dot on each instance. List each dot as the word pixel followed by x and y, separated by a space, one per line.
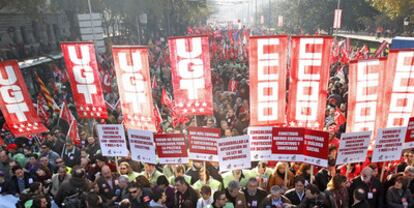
pixel 382 170
pixel 116 165
pixel 348 169
pixel 286 174
pixel 311 174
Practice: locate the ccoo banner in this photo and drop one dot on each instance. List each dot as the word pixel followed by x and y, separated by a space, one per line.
pixel 132 71
pixel 191 78
pixel 15 102
pixel 268 59
pixel 399 88
pixel 84 79
pixel 309 81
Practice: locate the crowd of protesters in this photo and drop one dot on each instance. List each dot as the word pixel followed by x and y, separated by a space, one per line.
pixel 50 170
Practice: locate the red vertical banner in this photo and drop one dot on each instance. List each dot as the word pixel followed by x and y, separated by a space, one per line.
pixel 84 79
pixel 191 76
pixel 398 88
pixel 309 81
pixel 409 136
pixel 134 84
pixel 267 63
pixel 15 102
pixel 365 94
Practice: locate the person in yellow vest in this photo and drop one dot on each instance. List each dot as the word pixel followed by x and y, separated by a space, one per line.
pixel 125 169
pixel 242 176
pixel 262 173
pixel 179 171
pixel 151 173
pixel 205 179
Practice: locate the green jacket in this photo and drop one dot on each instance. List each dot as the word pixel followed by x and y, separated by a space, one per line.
pixel 153 178
pixel 228 176
pixel 215 185
pixel 228 205
pixel 187 178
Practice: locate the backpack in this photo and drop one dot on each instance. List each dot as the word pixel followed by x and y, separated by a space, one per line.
pixel 74 200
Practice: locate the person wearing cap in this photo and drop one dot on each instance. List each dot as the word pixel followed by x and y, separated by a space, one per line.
pixel 71 154
pixel 275 198
pixel 14 154
pixel 51 155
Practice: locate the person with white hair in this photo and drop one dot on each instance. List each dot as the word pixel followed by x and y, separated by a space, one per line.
pixel 275 198
pixel 371 185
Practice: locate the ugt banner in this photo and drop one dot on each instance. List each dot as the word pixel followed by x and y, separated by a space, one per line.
pixel 191 77
pixel 15 102
pixel 399 88
pixel 268 65
pixel 309 81
pixel 134 84
pixel 84 79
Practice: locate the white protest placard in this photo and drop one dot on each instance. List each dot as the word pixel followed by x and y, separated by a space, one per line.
pixel 141 144
pixel 260 142
pixel 112 140
pixel 234 153
pixel 353 147
pixel 389 144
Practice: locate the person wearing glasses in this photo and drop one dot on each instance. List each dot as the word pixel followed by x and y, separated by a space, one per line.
pixel 137 197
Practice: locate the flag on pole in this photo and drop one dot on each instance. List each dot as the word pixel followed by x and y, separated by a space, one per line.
pixel 72 133
pixel 49 99
pixel 41 109
pixel 158 119
pixel 166 99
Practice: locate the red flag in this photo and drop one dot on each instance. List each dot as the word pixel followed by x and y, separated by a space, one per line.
pixel 41 111
pixel 84 79
pixel 16 103
pixel 398 88
pixel 267 63
pixel 154 83
pixel 233 85
pixel 134 84
pixel 73 134
pixel 107 82
pixel 381 49
pixel 158 119
pixel 309 81
pixel 191 75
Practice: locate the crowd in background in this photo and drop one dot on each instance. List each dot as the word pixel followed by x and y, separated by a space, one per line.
pixel 49 170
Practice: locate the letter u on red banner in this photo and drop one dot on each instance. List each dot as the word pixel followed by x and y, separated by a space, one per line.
pixel 15 101
pixel 132 71
pixel 366 78
pixel 84 79
pixel 399 88
pixel 191 77
pixel 309 81
pixel 267 63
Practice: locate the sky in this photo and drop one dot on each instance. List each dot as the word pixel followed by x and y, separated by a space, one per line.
pixel 229 10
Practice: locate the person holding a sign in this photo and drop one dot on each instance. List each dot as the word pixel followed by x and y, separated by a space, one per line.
pixel 278 176
pixel 206 179
pixel 151 173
